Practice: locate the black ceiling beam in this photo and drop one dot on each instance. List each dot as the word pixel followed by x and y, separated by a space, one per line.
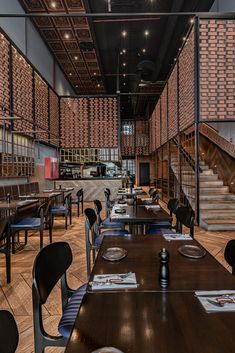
pixel 227 15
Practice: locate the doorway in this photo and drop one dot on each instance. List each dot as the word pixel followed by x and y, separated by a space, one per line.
pixel 144 169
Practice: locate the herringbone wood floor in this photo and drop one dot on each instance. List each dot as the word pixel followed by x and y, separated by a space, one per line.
pixel 16 297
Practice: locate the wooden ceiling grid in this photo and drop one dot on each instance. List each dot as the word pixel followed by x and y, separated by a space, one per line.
pixel 63 36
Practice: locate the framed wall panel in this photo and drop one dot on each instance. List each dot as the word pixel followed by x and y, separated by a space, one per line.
pixel 217 69
pixel 173 103
pixel 187 83
pixel 22 76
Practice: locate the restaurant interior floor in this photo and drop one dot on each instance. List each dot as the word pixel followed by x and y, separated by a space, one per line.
pixel 17 296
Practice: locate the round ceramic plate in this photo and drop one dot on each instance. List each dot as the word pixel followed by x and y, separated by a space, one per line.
pixel 192 251
pixel 120 210
pixel 107 350
pixel 114 254
pixel 121 202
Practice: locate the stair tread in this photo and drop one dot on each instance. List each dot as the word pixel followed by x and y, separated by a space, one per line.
pixel 220 221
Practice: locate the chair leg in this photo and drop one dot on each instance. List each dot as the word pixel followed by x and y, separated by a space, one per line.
pixel 82 205
pixel 78 209
pixel 13 242
pixel 50 232
pixel 70 216
pixel 8 265
pixel 25 237
pixel 41 238
pixel 66 222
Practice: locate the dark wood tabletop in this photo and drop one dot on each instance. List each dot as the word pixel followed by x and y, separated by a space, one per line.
pixel 42 195
pixel 186 274
pixel 150 323
pixel 140 214
pixel 16 204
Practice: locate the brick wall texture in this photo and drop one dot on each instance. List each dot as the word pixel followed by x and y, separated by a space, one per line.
pixel 217 69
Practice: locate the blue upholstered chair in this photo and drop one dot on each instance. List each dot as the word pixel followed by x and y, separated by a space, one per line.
pixel 9 335
pixel 63 210
pixel 35 223
pixel 94 237
pixel 105 223
pixel 49 267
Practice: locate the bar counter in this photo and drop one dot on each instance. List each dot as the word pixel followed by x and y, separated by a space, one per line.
pixel 93 187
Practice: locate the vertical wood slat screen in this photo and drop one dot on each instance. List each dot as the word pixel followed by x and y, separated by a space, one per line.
pixel 217 69
pixel 54 117
pixel 41 107
pixel 89 122
pixel 22 74
pixel 4 73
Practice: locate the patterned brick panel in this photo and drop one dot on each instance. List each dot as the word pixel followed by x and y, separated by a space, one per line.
pixel 103 122
pixel 158 125
pixel 81 121
pixel 54 117
pixel 151 134
pixel 187 83
pixel 67 117
pixel 142 138
pixel 128 138
pixel 172 103
pixel 217 69
pixel 4 73
pixel 22 92
pixel 164 116
pixel 41 107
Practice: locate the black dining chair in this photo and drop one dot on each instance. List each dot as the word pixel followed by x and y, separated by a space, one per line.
pixel 78 201
pixel 5 245
pixel 49 267
pixel 63 210
pixel 34 223
pixel 9 335
pixel 172 206
pixel 105 223
pixel 185 217
pixel 94 237
pixel 108 203
pixel 229 254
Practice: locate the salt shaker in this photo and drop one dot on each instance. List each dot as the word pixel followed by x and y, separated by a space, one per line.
pixel 164 269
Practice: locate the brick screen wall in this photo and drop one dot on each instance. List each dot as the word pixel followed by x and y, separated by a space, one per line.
pixel 89 122
pixel 41 107
pixel 173 102
pixel 187 83
pixel 54 116
pixel 164 116
pixel 142 138
pixel 128 138
pixel 4 73
pixel 158 124
pixel 217 69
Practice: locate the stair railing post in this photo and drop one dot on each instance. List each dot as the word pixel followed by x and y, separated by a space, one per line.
pixel 197 119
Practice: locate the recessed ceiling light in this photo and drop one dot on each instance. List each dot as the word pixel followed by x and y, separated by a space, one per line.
pixel 94 73
pixel 184 39
pixel 76 86
pixel 124 33
pixel 53 4
pixel 191 20
pixel 124 51
pixel 124 64
pixel 70 74
pixel 76 57
pixel 124 75
pixel 98 85
pixel 124 83
pixel 121 53
pixel 146 33
pixel 66 36
pixel 144 50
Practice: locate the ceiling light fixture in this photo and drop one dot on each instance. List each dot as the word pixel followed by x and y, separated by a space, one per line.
pixel 66 36
pixel 146 33
pixel 124 33
pixel 76 57
pixel 124 64
pixel 70 74
pixel 124 51
pixel 144 50
pixel 53 4
pixel 94 73
pixel 124 75
pixel 191 20
pixel 98 85
pixel 184 39
pixel 124 83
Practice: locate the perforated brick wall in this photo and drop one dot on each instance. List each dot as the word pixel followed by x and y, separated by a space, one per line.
pixel 4 73
pixel 54 117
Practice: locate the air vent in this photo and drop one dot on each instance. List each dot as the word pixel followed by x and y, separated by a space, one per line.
pixel 86 46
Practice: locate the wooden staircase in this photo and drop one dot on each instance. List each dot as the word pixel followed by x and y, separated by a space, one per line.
pixel 217 204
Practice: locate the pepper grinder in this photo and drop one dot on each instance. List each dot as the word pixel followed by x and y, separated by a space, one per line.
pixel 164 269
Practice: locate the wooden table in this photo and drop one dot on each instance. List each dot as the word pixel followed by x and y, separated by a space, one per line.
pixel 139 215
pixel 131 192
pixel 150 323
pixel 186 274
pixel 42 195
pixel 14 205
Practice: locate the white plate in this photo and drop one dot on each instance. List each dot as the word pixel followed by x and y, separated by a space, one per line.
pixel 107 350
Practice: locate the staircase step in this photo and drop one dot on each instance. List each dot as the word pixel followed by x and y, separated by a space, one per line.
pixel 208 177
pixel 219 190
pixel 221 205
pixel 220 225
pixel 211 184
pixel 215 196
pixel 217 214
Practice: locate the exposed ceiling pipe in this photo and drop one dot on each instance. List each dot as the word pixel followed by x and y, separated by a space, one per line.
pixel 128 19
